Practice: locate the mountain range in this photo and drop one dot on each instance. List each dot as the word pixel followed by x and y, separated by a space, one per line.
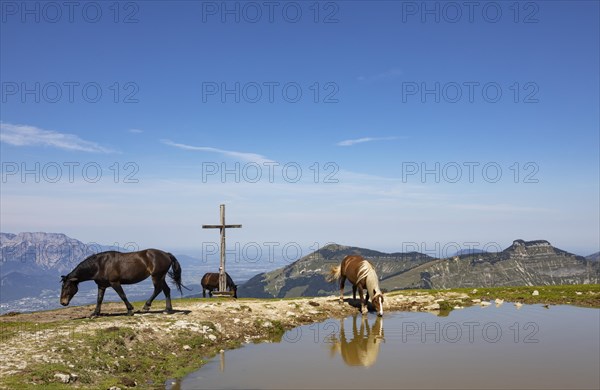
pixel 522 263
pixel 33 262
pixel 31 265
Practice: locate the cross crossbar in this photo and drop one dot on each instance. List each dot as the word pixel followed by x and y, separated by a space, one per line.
pixel 222 227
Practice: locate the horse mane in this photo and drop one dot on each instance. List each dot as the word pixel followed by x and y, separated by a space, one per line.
pixel 367 271
pixel 87 264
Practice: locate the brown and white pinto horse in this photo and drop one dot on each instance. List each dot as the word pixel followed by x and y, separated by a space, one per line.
pixel 362 275
pixel 210 282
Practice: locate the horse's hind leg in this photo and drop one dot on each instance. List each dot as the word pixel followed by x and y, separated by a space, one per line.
pixel 167 291
pixel 157 289
pixel 342 281
pixel 117 287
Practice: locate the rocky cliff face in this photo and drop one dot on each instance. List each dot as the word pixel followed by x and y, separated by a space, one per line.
pixel 524 263
pixel 31 263
pixel 36 253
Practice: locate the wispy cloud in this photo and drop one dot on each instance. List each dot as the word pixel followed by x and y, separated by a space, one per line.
pixel 135 131
pixel 389 74
pixel 501 208
pixel 23 135
pixel 243 156
pixel 350 142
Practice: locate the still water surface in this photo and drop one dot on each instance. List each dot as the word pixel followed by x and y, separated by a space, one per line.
pixel 494 347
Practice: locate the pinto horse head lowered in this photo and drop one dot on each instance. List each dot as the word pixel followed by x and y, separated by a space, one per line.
pixel 362 275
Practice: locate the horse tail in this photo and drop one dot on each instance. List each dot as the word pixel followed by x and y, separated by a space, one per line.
pixel 334 273
pixel 175 273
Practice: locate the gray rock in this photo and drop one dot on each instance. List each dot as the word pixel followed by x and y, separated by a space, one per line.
pixel 64 378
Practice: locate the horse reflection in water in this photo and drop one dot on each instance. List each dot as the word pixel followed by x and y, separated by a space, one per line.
pixel 363 348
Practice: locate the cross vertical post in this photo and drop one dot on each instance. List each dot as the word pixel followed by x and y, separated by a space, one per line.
pixel 222 227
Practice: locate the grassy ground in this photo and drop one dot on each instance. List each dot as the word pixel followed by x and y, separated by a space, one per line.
pixel 587 295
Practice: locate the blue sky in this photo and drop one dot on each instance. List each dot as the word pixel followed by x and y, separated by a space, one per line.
pixel 335 90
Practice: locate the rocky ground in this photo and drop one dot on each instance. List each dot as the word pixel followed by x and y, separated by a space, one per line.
pixel 64 348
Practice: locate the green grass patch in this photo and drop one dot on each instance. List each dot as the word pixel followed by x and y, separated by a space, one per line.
pixel 275 328
pixel 11 329
pixel 124 357
pixel 585 295
pixel 38 374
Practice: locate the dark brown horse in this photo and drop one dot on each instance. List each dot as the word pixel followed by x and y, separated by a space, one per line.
pixel 111 269
pixel 210 282
pixel 362 275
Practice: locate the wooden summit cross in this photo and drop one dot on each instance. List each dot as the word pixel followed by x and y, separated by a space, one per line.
pixel 222 227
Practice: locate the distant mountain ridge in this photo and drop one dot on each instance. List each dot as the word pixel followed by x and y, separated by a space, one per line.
pixel 55 252
pixel 33 262
pixel 523 263
pixel 594 257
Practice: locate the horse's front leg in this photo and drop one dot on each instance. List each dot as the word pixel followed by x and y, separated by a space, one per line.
pixel 362 301
pixel 99 300
pixel 117 287
pixel 354 292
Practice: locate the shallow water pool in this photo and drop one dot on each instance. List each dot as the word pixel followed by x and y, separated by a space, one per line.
pixel 493 347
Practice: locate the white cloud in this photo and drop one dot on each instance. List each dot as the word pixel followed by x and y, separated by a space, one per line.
pixel 250 157
pixel 350 142
pixel 23 135
pixel 136 131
